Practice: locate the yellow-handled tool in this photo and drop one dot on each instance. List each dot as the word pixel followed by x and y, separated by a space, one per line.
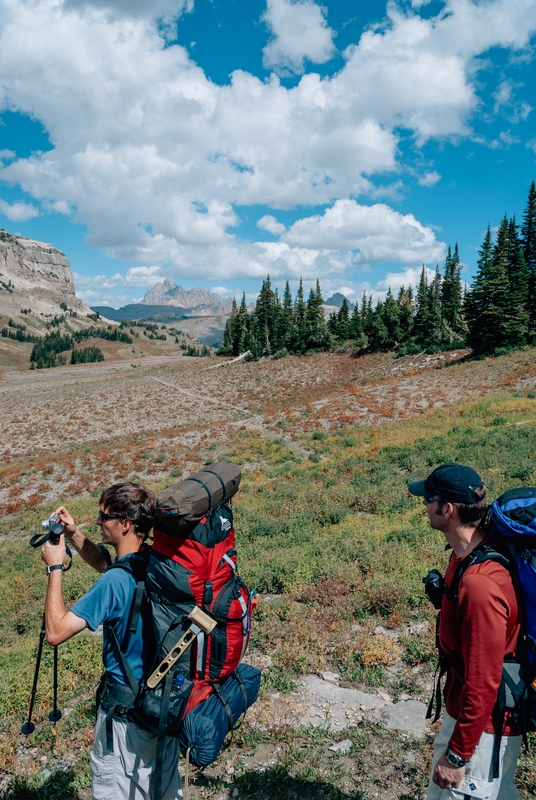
pixel 201 622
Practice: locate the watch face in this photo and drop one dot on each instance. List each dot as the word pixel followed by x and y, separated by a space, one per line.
pixel 455 760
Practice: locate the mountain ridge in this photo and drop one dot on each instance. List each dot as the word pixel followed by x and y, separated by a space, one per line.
pixel 167 293
pixel 35 273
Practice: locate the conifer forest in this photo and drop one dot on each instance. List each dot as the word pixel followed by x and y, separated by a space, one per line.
pixel 495 314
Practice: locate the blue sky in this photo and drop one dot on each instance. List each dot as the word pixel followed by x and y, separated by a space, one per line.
pixel 216 141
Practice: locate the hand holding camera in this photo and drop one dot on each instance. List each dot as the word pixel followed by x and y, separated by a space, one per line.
pixel 52 540
pixel 66 521
pixel 434 586
pixel 54 550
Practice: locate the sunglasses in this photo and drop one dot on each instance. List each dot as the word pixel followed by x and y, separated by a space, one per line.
pixel 103 517
pixel 427 499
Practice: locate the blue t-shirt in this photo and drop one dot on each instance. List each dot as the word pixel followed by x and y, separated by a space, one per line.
pixel 109 601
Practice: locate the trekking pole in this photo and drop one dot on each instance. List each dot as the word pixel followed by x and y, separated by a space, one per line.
pixel 28 726
pixel 55 714
pixel 54 529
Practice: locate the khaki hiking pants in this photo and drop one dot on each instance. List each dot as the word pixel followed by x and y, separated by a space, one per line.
pixel 477 782
pixel 126 773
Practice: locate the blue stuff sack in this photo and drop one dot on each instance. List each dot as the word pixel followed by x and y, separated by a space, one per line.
pixel 204 729
pixel 513 516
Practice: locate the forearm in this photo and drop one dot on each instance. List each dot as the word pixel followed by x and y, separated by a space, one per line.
pixel 60 624
pixel 55 610
pixel 90 552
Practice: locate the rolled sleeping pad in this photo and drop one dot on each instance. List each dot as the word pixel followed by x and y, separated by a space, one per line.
pixel 180 507
pixel 204 729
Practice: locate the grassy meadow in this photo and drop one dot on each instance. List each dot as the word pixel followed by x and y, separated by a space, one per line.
pixel 335 547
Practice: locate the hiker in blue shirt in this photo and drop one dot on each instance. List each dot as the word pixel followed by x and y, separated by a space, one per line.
pixel 123 757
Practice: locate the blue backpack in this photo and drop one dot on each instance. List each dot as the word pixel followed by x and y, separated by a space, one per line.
pixel 512 527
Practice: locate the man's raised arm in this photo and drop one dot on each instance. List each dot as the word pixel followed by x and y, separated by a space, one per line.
pixel 90 552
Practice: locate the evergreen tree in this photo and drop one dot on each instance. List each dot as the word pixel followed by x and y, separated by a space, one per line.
pixel 317 334
pixel 342 329
pixel 241 343
pixel 421 322
pixel 298 338
pixel 367 315
pixel 378 335
pixel 451 294
pixel 264 319
pixel 229 331
pixel 476 299
pixel 517 324
pixel 406 311
pixel 528 241
pixel 277 340
pixel 287 315
pixel 333 322
pixel 356 325
pixel 487 305
pixel 391 320
pixel 436 318
pixel 514 244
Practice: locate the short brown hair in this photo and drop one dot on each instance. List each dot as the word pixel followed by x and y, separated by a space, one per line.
pixel 131 501
pixel 472 513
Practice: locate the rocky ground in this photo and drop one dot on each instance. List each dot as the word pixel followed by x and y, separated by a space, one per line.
pixel 179 406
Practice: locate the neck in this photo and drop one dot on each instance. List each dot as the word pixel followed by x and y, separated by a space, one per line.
pixel 463 539
pixel 129 544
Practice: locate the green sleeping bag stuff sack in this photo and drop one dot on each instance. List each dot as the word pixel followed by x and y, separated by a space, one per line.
pixel 180 507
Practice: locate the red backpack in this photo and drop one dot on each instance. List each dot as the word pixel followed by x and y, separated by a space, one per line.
pixel 198 568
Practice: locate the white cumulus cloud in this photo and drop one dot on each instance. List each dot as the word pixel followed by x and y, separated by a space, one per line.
pixel 168 9
pixel 377 233
pixel 429 178
pixel 270 224
pixel 300 32
pixel 154 158
pixel 18 212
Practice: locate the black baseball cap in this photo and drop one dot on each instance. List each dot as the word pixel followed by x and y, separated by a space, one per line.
pixel 451 482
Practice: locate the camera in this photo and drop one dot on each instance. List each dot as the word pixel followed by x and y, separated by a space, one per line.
pixel 53 527
pixel 434 586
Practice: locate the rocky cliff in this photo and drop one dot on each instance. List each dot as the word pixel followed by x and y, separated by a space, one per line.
pixel 197 299
pixel 35 274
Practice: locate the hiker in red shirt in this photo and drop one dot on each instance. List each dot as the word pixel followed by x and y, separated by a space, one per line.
pixel 478 630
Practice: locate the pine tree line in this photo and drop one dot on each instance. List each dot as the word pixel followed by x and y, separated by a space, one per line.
pixel 500 309
pixel 276 325
pixel 432 320
pixel 497 313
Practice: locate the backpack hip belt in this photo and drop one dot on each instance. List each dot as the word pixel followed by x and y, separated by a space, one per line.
pixel 116 700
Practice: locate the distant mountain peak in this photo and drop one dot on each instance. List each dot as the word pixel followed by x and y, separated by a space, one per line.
pixel 167 293
pixel 336 300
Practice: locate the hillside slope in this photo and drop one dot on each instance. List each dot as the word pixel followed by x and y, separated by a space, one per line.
pixel 326 533
pixel 35 275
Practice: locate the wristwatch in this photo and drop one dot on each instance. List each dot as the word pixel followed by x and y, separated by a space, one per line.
pixel 454 760
pixel 55 566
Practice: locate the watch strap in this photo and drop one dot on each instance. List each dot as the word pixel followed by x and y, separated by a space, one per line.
pixel 455 760
pixel 53 567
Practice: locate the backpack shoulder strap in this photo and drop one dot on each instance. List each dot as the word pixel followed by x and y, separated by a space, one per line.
pixel 484 552
pixel 106 553
pixel 136 565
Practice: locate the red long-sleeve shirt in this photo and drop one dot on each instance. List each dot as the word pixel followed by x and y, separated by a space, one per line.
pixel 483 627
